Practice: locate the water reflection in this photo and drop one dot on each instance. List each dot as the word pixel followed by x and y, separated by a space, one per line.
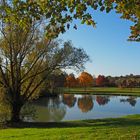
pixel 68 107
pixel 47 110
pixel 85 103
pixel 102 100
pixel 28 112
pixel 69 100
pixel 4 115
pixel 131 100
pixel 4 111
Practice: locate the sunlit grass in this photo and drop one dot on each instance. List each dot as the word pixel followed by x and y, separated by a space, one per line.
pixel 103 90
pixel 126 128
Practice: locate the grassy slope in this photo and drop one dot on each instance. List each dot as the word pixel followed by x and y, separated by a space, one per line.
pixel 126 128
pixel 104 90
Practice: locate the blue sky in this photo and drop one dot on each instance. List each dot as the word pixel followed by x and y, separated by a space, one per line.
pixel 107 45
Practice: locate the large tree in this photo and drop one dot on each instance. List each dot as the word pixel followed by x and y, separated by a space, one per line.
pixel 23 73
pixel 28 52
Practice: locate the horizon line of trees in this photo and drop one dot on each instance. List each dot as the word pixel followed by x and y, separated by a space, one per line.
pixel 85 80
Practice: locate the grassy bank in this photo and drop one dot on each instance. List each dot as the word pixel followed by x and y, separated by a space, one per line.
pixel 104 90
pixel 126 128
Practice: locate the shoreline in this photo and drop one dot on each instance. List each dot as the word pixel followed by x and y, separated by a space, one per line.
pixel 103 91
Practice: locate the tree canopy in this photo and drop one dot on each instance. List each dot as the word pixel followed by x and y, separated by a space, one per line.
pixel 57 15
pixel 85 80
pixel 70 81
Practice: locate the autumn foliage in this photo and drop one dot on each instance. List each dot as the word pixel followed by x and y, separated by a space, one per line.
pixel 85 103
pixel 85 80
pixel 101 81
pixel 69 100
pixel 71 81
pixel 102 100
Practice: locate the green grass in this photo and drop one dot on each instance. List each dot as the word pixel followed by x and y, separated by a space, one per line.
pixel 126 128
pixel 104 90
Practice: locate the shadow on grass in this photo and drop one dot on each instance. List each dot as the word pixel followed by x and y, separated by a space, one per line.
pixel 117 122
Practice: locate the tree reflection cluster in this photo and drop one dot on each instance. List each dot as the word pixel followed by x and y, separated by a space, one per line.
pixel 131 100
pixel 69 100
pixel 86 102
pixel 102 100
pixel 55 108
pixel 49 109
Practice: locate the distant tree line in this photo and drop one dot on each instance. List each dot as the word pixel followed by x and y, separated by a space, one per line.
pixel 128 81
pixel 85 80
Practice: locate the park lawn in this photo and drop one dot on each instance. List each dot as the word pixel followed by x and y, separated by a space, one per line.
pixel 103 90
pixel 125 128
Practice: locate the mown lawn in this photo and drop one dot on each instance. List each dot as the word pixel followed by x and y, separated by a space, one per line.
pixel 126 128
pixel 103 90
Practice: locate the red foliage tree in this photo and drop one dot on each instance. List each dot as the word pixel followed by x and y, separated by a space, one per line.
pixel 101 81
pixel 102 100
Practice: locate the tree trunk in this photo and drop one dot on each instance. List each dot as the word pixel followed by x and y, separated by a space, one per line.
pixel 15 114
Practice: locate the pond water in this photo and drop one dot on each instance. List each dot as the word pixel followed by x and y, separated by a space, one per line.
pixel 79 107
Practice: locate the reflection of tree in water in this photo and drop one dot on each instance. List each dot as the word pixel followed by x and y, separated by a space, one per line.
pixel 4 111
pixel 69 100
pixel 28 112
pixel 102 100
pixel 85 103
pixel 47 110
pixel 131 100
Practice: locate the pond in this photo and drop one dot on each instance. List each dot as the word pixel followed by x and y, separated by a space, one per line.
pixel 79 107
